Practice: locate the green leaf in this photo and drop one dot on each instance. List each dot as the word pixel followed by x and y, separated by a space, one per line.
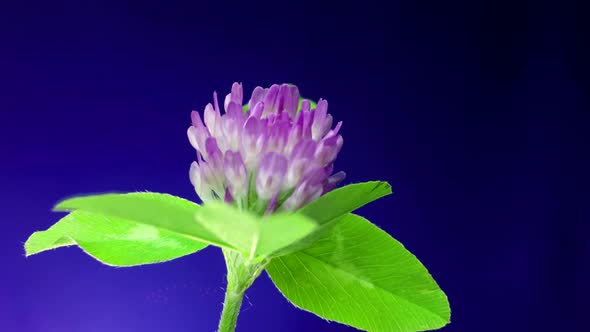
pixel 112 241
pixel 232 226
pixel 358 275
pixel 255 236
pixel 331 207
pixel 345 199
pixel 280 230
pixel 167 212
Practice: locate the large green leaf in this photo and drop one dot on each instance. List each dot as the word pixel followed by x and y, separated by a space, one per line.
pixel 329 208
pixel 163 211
pixel 112 241
pixel 253 235
pixel 358 275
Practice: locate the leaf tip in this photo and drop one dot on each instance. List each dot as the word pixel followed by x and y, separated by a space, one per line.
pixel 62 206
pixel 34 244
pixel 386 187
pixel 29 251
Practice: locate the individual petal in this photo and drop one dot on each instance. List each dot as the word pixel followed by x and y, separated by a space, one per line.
pixel 256 112
pixel 213 168
pixel 214 178
pixel 226 101
pixel 322 121
pixel 282 98
pixel 306 119
pixel 305 106
pixel 270 100
pixel 305 149
pixel 211 119
pixel 216 103
pixel 277 139
pixel 235 111
pixel 197 180
pixel 236 96
pixel 292 101
pixel 328 149
pixel 257 96
pixel 300 162
pixel 236 174
pixel 197 133
pixel 270 175
pixel 193 138
pixel 196 119
pixel 231 126
pixel 214 155
pixel 322 108
pixel 329 169
pixel 295 136
pixel 332 182
pixel 334 131
pixel 253 142
pixel 310 189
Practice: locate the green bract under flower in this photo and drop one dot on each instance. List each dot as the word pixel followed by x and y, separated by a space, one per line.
pixel 279 154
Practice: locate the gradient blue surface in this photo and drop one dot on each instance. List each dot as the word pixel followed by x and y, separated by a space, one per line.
pixel 474 112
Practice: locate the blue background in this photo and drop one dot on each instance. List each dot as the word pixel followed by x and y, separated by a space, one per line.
pixel 474 111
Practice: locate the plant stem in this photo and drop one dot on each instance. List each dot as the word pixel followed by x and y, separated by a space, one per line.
pixel 241 273
pixel 231 310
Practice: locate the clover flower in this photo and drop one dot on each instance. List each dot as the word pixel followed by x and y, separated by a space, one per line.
pixel 274 153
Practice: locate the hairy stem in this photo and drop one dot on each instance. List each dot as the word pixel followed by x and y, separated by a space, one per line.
pixel 241 273
pixel 231 310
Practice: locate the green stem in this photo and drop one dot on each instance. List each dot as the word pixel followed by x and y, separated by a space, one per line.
pixel 241 273
pixel 231 310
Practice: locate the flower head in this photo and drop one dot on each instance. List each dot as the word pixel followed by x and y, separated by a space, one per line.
pixel 278 154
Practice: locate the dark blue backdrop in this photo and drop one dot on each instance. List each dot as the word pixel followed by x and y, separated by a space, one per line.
pixel 473 111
